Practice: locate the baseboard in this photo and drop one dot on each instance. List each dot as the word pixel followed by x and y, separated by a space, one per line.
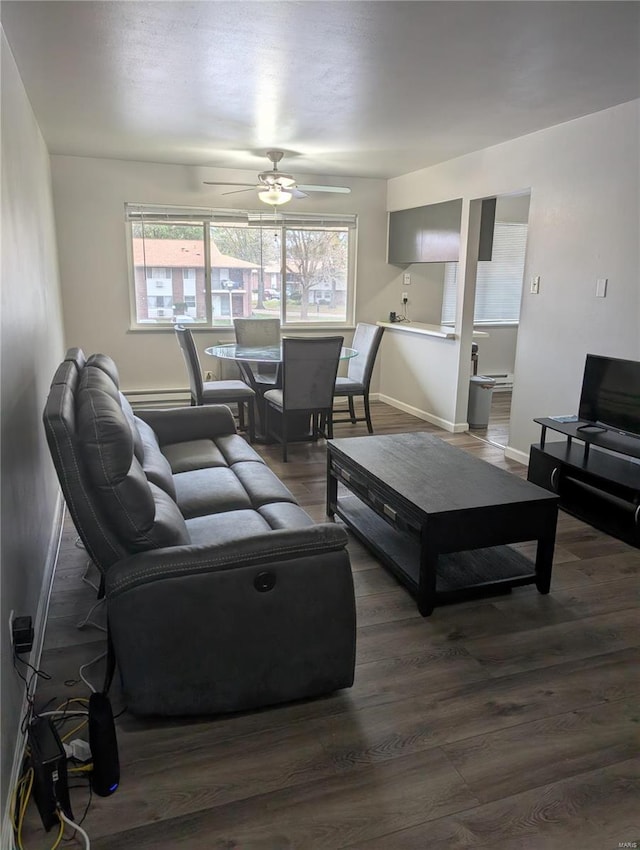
pixel 453 427
pixel 39 626
pixel 504 381
pixel 518 456
pixel 151 398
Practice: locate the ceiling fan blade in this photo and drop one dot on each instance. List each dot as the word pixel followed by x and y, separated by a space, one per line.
pixel 297 193
pixel 215 183
pixel 238 191
pixel 342 189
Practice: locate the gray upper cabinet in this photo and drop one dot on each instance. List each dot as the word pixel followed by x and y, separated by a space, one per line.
pixel 431 234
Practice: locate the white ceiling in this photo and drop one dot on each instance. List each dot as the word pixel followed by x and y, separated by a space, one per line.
pixel 370 89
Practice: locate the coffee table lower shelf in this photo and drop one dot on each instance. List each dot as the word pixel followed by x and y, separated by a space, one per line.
pixel 460 575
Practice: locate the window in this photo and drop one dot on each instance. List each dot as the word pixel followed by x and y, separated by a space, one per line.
pixel 216 265
pixel 498 281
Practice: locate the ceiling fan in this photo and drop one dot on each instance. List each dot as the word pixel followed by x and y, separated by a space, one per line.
pixel 275 187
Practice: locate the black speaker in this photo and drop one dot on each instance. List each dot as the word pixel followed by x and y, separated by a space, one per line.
pixel 104 746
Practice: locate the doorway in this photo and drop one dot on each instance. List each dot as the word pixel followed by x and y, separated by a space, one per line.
pixel 499 288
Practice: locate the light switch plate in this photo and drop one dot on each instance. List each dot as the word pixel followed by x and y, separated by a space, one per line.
pixel 535 285
pixel 601 287
pixel 406 279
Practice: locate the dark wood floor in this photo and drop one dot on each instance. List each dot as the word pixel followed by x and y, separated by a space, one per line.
pixel 508 723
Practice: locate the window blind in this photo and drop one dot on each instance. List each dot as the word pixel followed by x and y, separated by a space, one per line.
pixel 159 213
pixel 498 281
pixel 268 218
pixel 298 219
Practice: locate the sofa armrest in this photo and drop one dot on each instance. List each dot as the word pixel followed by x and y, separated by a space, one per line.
pixel 201 630
pixel 179 424
pixel 176 561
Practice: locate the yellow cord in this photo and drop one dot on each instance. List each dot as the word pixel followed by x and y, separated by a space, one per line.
pixel 66 703
pixel 25 785
pixel 28 781
pixel 60 833
pixel 75 729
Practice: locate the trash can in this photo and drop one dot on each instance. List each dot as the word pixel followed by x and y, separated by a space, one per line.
pixel 480 394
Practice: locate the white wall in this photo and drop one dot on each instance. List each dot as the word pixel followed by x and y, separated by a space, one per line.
pixel 583 225
pixel 414 375
pixel 425 292
pixel 89 197
pixel 497 352
pixel 31 347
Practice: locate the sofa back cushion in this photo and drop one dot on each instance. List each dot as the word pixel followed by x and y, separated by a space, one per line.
pixel 142 515
pixel 156 467
pixel 59 417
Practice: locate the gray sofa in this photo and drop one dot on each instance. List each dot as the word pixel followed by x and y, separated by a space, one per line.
pixel 222 593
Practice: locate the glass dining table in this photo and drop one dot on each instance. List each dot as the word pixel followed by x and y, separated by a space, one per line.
pixel 260 353
pixel 247 356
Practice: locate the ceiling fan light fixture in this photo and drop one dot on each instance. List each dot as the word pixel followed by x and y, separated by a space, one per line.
pixel 275 196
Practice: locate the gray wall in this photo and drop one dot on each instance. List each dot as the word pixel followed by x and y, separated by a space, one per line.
pixel 31 346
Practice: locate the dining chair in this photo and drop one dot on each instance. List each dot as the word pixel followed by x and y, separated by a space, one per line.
pixel 214 392
pixel 366 341
pixel 309 368
pixel 258 332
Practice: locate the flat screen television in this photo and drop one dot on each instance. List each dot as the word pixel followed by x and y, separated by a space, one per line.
pixel 610 394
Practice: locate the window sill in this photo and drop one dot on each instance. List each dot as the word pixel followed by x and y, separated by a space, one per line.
pixel 197 328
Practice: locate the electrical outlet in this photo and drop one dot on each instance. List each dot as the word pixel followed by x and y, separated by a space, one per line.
pixel 405 297
pixel 208 376
pixel 406 279
pixel 22 634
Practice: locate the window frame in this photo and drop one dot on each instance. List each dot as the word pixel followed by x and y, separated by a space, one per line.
pixel 178 215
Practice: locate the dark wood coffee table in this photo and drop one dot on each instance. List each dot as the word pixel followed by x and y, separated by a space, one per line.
pixel 440 518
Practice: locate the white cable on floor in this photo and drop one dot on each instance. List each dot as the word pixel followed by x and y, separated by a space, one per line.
pixel 88 664
pixel 87 621
pixel 77 828
pixel 86 580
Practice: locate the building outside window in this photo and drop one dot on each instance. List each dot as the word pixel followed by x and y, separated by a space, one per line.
pixel 212 266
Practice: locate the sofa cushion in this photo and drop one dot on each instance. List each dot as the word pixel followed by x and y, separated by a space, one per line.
pixel 193 454
pixel 261 484
pixel 95 378
pixel 156 467
pixel 106 365
pixel 138 446
pixel 226 527
pixel 235 449
pixel 144 516
pixel 209 491
pixel 285 515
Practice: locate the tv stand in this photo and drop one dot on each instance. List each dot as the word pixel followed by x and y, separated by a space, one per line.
pixel 598 479
pixel 593 428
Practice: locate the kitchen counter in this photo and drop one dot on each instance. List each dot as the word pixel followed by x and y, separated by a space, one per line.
pixel 441 331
